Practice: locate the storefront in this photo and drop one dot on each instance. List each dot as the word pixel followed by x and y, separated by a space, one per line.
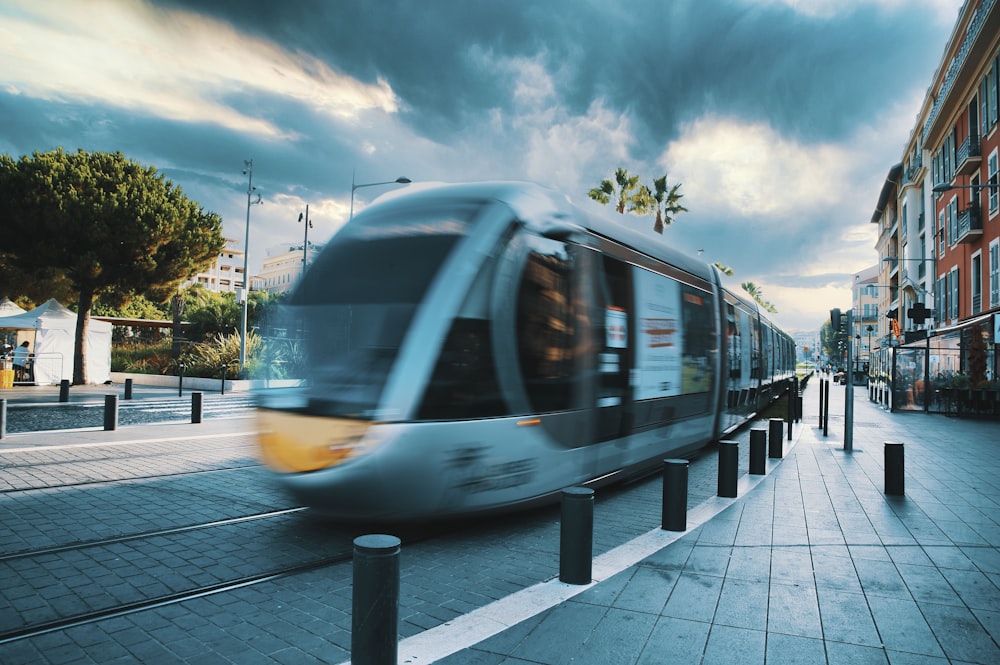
pixel 955 370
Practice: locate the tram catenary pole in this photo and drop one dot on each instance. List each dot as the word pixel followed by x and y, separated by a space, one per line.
pixel 849 377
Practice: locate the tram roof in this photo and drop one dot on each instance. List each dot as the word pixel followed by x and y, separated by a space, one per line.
pixel 545 210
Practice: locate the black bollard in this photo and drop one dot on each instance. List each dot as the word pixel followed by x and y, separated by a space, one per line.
pixel 822 390
pixel 223 368
pixel 197 407
pixel 375 600
pixel 774 441
pixel 180 379
pixel 797 395
pixel 789 429
pixel 128 388
pixel 729 463
pixel 3 418
pixel 758 452
pixel 894 469
pixel 675 492
pixel 64 390
pixel 110 412
pixel 576 535
pixel 826 410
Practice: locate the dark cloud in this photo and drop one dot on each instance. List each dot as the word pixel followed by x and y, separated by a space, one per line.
pixel 663 62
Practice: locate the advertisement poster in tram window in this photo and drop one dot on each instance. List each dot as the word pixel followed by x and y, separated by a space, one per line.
pixel 659 351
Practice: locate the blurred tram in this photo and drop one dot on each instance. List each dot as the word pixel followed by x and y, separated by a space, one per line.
pixel 481 346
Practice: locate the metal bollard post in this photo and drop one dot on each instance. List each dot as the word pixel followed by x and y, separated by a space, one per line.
pixel 758 452
pixel 826 410
pixel 774 440
pixel 822 390
pixel 180 379
pixel 375 600
pixel 128 388
pixel 894 469
pixel 223 368
pixel 197 407
pixel 64 390
pixel 729 462
pixel 576 535
pixel 110 412
pixel 675 493
pixel 3 418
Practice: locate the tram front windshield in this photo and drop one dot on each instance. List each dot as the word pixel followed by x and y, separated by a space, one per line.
pixel 354 306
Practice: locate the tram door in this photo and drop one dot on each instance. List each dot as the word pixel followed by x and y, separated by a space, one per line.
pixel 615 357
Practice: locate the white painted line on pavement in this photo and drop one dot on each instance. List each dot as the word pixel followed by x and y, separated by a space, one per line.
pixel 104 444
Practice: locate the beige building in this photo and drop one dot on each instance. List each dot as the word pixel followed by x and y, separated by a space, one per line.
pixel 225 275
pixel 283 266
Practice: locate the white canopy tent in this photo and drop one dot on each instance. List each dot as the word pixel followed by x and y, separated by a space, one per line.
pixel 54 328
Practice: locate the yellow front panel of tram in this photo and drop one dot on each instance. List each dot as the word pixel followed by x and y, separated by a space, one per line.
pixel 294 443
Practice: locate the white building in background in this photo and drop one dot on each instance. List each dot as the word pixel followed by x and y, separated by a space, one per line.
pixel 283 267
pixel 225 275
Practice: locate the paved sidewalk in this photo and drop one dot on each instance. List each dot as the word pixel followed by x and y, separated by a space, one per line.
pixel 814 565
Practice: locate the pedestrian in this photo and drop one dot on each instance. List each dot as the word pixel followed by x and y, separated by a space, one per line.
pixel 21 355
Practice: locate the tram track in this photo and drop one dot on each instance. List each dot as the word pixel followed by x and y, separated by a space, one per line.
pixel 42 628
pixel 57 549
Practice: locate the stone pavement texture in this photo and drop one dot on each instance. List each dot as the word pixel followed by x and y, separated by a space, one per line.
pixel 816 564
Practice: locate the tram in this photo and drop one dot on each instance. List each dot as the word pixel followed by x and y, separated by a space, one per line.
pixel 477 347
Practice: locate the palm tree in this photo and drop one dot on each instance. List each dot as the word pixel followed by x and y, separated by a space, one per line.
pixel 758 295
pixel 667 203
pixel 628 193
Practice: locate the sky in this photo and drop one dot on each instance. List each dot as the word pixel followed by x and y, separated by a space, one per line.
pixel 780 118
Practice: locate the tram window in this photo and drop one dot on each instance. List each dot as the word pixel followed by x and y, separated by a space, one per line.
pixel 464 383
pixel 546 328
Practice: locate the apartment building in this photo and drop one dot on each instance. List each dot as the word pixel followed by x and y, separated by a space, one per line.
pixel 283 266
pixel 938 215
pixel 225 275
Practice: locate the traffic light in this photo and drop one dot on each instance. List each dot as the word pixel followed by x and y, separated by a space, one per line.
pixel 835 319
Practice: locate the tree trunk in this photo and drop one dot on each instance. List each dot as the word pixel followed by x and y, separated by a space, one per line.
pixel 80 343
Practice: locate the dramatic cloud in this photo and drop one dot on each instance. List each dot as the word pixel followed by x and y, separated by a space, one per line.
pixel 779 117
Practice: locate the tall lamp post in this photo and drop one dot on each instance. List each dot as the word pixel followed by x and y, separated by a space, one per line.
pixel 401 180
pixel 247 171
pixel 305 240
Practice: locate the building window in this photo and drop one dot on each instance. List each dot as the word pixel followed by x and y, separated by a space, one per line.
pixel 993 165
pixel 953 294
pixel 940 233
pixel 995 273
pixel 976 282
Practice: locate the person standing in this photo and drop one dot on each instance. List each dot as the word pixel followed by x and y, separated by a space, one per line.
pixel 21 356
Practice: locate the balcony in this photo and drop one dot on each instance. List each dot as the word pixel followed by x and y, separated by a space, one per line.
pixel 968 157
pixel 914 171
pixel 970 225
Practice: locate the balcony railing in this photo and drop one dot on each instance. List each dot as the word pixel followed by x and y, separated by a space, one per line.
pixel 970 224
pixel 968 157
pixel 913 170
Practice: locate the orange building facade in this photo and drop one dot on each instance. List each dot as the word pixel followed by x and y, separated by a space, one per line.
pixel 939 225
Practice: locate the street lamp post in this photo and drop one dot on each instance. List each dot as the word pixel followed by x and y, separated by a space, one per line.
pixel 305 240
pixel 401 180
pixel 247 171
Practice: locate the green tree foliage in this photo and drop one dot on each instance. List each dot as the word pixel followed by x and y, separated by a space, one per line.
pixel 112 227
pixel 757 294
pixel 667 203
pixel 630 195
pixel 833 342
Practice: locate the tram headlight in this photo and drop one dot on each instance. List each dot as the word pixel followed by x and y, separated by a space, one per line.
pixel 295 443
